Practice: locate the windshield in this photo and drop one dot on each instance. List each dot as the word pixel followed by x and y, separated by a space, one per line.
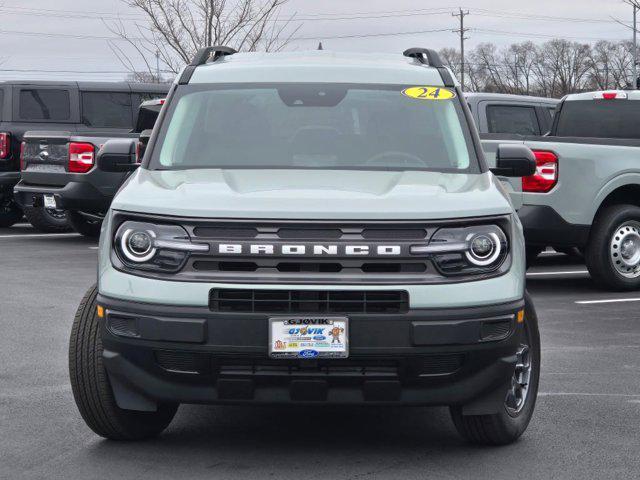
pixel 599 119
pixel 317 126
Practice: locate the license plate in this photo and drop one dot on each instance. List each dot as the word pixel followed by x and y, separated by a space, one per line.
pixel 50 201
pixel 309 337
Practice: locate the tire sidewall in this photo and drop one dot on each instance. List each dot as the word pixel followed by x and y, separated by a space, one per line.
pixel 598 258
pixel 519 422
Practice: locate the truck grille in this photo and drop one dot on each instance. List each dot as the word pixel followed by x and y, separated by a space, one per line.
pixel 308 301
pixel 305 265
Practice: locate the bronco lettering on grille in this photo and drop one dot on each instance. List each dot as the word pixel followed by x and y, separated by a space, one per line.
pixel 307 249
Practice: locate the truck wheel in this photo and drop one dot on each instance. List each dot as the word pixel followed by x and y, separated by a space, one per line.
pixel 613 252
pixel 512 420
pixel 10 212
pixel 47 220
pixel 83 225
pixel 90 384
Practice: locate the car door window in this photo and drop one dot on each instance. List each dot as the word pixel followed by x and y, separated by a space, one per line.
pixel 512 119
pixel 44 104
pixel 107 109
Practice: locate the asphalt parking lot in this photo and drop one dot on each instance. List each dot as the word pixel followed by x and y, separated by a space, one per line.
pixel 585 426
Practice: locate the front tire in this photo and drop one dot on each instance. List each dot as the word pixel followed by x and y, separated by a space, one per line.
pixel 613 252
pixel 512 420
pixel 47 221
pixel 92 391
pixel 84 226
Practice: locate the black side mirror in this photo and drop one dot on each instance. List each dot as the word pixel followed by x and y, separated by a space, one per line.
pixel 118 155
pixel 514 160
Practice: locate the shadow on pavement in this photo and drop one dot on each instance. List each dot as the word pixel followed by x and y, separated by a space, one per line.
pixel 303 432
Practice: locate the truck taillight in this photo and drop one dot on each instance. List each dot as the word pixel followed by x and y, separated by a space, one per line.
pixel 81 157
pixel 22 147
pixel 546 175
pixel 139 152
pixel 5 145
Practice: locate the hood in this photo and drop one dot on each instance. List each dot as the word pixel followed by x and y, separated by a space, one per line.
pixel 312 194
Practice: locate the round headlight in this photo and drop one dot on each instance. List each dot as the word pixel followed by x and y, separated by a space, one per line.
pixel 137 245
pixel 484 249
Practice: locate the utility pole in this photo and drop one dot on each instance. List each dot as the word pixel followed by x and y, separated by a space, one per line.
pixel 635 47
pixel 461 31
pixel 157 66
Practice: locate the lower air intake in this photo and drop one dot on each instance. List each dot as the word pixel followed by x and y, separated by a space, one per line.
pixel 308 301
pixel 183 362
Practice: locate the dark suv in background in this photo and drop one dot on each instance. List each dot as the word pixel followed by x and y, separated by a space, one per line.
pixel 59 172
pixel 78 107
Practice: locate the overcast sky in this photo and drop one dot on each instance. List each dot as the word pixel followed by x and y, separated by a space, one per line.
pixel 61 37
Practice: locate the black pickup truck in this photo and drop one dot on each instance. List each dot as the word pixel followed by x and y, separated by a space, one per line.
pixel 75 107
pixel 59 171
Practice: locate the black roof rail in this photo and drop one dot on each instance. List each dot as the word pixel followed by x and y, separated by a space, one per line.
pixel 433 59
pixel 201 57
pixel 430 57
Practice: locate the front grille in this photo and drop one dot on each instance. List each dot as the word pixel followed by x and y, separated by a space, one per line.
pixel 266 266
pixel 308 301
pixel 311 231
pixel 320 253
pixel 365 368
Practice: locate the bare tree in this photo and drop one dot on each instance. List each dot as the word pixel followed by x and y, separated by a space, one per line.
pixel 176 29
pixel 452 59
pixel 569 62
pixel 147 77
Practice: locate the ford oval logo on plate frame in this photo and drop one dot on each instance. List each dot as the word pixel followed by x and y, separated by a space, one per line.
pixel 308 353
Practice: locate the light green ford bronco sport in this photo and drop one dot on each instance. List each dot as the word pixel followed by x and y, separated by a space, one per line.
pixel 312 228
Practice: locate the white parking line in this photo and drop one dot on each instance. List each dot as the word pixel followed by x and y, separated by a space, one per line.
pixel 607 300
pixel 585 394
pixel 566 272
pixel 29 235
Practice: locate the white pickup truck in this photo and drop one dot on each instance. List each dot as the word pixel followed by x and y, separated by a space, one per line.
pixel 586 190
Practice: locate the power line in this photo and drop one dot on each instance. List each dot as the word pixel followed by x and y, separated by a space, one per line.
pixel 527 16
pixel 60 11
pixel 388 34
pixel 535 35
pixel 69 15
pixel 378 12
pixel 66 35
pixel 316 19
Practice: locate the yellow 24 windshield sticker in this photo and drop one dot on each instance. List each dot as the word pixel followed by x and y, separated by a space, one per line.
pixel 429 93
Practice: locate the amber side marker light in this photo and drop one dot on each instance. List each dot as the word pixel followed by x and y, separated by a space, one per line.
pixel 100 311
pixel 520 316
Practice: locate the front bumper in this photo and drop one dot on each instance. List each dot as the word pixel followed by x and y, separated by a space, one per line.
pixel 72 196
pixel 183 354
